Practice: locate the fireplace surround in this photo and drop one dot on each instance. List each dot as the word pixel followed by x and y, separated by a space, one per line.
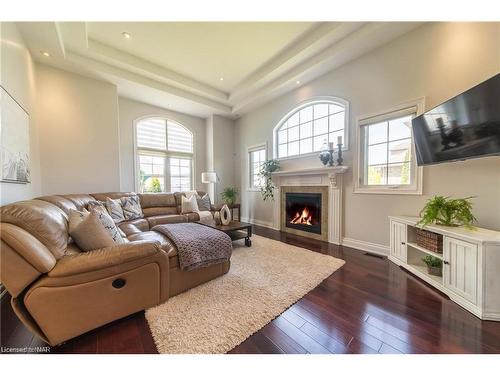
pixel 326 181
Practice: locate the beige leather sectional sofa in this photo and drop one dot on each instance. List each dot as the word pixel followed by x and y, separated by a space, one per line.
pixel 60 292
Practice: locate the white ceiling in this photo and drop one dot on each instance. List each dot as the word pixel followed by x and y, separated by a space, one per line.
pixel 178 65
pixel 204 51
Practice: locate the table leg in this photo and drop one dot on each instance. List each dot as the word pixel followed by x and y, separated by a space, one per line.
pixel 248 241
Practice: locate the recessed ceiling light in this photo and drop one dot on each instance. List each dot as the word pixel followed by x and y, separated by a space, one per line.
pixel 297 82
pixel 126 35
pixel 45 53
pixel 221 79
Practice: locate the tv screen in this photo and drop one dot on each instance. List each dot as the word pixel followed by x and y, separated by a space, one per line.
pixel 466 126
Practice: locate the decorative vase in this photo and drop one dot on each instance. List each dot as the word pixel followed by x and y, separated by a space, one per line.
pixel 225 215
pixel 217 218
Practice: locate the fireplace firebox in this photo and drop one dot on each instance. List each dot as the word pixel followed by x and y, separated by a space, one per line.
pixel 303 211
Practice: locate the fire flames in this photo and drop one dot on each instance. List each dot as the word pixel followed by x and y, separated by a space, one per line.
pixel 303 217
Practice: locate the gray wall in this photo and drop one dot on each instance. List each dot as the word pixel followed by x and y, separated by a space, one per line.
pixel 437 61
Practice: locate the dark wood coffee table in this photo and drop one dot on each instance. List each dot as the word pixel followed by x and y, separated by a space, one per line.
pixel 235 229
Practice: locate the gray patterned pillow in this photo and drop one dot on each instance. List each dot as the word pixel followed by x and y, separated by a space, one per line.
pixel 115 210
pixel 203 203
pixel 93 204
pixel 108 223
pixel 131 207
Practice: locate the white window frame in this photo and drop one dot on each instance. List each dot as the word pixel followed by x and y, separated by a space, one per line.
pixel 257 147
pixel 307 103
pixel 165 153
pixel 415 107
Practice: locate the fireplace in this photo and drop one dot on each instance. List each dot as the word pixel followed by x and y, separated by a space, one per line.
pixel 303 212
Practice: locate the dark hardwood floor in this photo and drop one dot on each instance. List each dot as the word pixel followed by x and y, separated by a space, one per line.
pixel 368 306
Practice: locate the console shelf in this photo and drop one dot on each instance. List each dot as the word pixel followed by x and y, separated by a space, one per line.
pixel 471 259
pixel 424 250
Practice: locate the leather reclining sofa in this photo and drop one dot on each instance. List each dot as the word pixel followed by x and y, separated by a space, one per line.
pixel 60 292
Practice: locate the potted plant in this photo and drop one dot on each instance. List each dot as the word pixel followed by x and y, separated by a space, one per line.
pixel 434 265
pixel 446 211
pixel 266 170
pixel 229 195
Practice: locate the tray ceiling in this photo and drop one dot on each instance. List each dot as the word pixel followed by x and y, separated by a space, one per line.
pixel 179 65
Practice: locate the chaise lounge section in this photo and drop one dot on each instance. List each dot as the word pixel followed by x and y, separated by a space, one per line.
pixel 60 292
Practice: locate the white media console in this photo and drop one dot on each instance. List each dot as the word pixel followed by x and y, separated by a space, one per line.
pixel 471 263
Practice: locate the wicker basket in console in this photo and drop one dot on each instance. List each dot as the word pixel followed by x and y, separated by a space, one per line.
pixel 429 240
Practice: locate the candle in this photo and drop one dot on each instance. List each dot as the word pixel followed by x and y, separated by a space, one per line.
pixel 339 140
pixel 330 146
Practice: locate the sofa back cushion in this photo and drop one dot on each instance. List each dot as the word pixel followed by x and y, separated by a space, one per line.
pixel 154 204
pixel 113 195
pixel 43 220
pixel 58 200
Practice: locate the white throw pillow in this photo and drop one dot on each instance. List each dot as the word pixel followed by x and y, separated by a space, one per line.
pixel 189 205
pixel 190 193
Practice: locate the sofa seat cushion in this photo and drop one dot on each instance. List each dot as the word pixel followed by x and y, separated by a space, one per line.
pixel 150 235
pixel 192 216
pixel 166 219
pixel 134 226
pixel 157 211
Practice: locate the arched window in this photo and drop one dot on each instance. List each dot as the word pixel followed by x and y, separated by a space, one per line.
pixel 310 127
pixel 164 154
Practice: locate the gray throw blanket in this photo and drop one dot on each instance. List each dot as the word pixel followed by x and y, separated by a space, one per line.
pixel 198 246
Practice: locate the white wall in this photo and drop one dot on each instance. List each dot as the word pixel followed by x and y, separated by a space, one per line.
pixel 79 138
pixel 17 76
pixel 131 110
pixel 437 61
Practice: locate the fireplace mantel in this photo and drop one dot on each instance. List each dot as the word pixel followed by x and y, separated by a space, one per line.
pixel 322 176
pixel 331 172
pixel 320 170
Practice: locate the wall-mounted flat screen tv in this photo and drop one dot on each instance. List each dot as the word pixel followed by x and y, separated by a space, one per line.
pixel 466 126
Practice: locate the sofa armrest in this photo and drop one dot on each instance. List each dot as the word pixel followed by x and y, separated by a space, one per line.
pixel 105 258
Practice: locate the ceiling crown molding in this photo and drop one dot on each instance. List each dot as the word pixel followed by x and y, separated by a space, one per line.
pixel 124 60
pixel 323 47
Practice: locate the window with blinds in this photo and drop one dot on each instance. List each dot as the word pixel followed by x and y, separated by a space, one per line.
pixel 164 154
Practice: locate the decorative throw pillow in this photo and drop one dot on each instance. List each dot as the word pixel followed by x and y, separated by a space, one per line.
pixel 93 204
pixel 203 203
pixel 115 210
pixel 87 231
pixel 108 224
pixel 189 205
pixel 131 207
pixel 190 193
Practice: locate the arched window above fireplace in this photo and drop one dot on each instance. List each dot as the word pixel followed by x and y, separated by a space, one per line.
pixel 311 126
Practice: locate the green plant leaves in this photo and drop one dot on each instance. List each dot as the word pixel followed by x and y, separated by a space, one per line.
pixel 446 211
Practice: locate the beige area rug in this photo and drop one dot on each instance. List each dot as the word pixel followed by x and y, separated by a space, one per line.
pixel 264 280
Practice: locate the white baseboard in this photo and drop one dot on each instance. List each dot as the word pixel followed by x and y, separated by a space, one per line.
pixel 262 223
pixel 369 247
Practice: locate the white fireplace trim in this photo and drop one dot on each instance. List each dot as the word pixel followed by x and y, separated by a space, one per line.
pixel 323 176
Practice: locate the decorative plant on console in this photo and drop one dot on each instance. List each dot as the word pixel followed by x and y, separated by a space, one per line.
pixel 449 212
pixel 266 170
pixel 229 195
pixel 434 265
